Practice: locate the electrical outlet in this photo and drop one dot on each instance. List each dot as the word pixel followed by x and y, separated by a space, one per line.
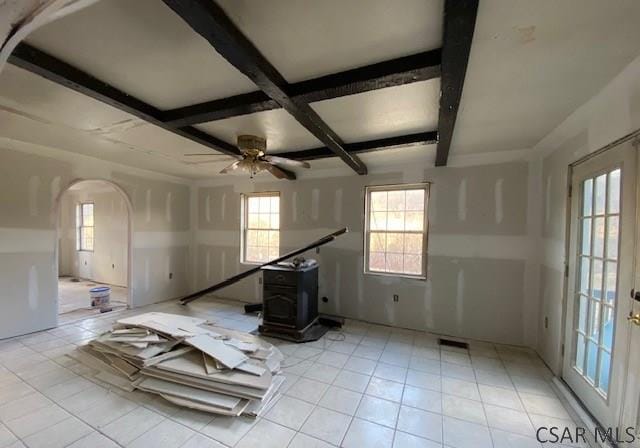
pixel 170 275
pixel 259 280
pixel 317 250
pixel 325 299
pixel 396 298
pixel 546 322
pixel 113 266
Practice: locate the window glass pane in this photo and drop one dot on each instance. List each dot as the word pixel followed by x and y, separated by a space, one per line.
pixel 377 261
pixel 612 237
pixel 415 200
pixel 413 243
pixel 600 190
pixel 378 200
pixel 611 282
pixel 275 221
pixel 414 221
pixel 254 204
pixel 394 262
pixel 87 214
pixel 607 327
pixel 594 320
pixel 586 236
pixel 378 221
pixel 265 204
pixel 264 220
pixel 395 200
pixel 395 242
pixel 413 264
pixel 78 215
pixel 605 363
pixel 275 204
pixel 592 359
pixel 395 221
pixel 252 238
pixel 596 279
pixel 580 352
pixel 614 191
pixel 273 253
pixel 377 242
pixel 582 313
pixel 598 237
pixel 274 239
pixel 584 275
pixel 587 197
pixel 253 219
pixel 263 238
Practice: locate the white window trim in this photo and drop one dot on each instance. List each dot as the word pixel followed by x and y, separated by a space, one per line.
pixel 80 247
pixel 244 219
pixel 425 232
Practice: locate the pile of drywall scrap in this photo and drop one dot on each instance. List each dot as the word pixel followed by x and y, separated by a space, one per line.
pixel 187 361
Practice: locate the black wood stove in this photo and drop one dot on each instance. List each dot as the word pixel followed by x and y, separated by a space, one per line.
pixel 290 301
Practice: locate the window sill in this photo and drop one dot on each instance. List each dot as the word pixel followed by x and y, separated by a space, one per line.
pixel 421 278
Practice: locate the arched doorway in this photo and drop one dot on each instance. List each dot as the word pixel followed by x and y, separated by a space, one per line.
pixel 93 248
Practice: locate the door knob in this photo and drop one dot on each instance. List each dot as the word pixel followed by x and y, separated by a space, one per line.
pixel 635 318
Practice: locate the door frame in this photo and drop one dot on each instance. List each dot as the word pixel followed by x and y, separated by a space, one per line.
pixel 634 138
pixel 57 210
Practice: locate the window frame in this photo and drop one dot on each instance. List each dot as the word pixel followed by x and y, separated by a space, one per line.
pixel 79 241
pixel 426 186
pixel 244 222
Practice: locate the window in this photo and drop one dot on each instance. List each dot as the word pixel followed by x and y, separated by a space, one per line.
pixel 261 227
pixel 84 226
pixel 396 230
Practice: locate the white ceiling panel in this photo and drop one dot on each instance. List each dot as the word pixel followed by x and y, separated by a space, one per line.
pixel 281 130
pixel 308 38
pixel 532 63
pixel 383 113
pixel 32 95
pixel 145 50
pixel 15 127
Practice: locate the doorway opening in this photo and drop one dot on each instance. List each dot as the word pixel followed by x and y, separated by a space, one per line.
pixel 93 250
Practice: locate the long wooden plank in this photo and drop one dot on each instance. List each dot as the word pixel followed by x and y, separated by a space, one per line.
pixel 236 278
pixel 395 72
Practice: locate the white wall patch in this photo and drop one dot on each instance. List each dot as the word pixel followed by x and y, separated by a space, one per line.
pixel 315 204
pixel 33 288
pixel 148 205
pixel 34 187
pixel 499 201
pixel 462 200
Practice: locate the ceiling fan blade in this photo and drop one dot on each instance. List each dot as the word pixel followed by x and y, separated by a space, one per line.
pixel 231 167
pixel 277 172
pixel 287 162
pixel 206 154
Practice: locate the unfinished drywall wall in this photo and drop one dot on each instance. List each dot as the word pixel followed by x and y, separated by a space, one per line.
pixel 478 247
pixel 610 115
pixel 31 181
pixel 108 262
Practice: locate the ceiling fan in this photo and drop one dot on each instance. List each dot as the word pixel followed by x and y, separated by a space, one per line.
pixel 254 159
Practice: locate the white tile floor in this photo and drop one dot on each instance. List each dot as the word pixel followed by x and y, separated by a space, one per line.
pixel 367 386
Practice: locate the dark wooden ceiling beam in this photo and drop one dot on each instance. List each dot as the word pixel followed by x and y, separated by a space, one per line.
pixel 208 19
pixel 421 138
pixel 459 24
pixel 55 70
pixel 396 72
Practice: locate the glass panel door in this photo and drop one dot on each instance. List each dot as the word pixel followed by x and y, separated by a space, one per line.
pixel 600 257
pixel 596 291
